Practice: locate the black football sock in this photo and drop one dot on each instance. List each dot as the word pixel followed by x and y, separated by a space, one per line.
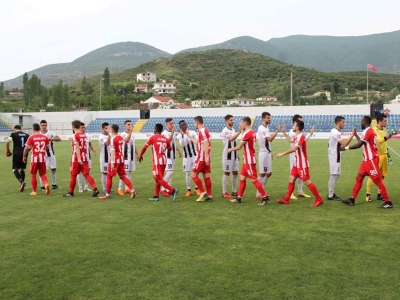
pixel 18 176
pixel 22 175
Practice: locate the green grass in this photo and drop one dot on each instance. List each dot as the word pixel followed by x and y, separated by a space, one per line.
pixel 82 248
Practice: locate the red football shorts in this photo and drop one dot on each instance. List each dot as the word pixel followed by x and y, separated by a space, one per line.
pixel 303 174
pixel 75 168
pixel 37 166
pixel 119 168
pixel 370 168
pixel 158 171
pixel 201 167
pixel 249 171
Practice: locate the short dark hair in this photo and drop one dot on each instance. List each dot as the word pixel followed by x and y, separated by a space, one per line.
pixel 158 128
pixel 36 127
pixel 380 118
pixel 168 120
pixel 82 124
pixel 104 124
pixel 338 119
pixel 247 120
pixel 17 127
pixel 300 125
pixel 182 121
pixel 296 117
pixel 127 121
pixel 76 124
pixel 227 117
pixel 265 113
pixel 43 122
pixel 199 119
pixel 367 119
pixel 115 128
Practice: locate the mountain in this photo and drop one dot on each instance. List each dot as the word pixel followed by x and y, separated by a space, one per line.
pixel 324 53
pixel 117 57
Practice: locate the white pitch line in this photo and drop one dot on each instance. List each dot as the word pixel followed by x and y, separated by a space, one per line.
pixel 391 149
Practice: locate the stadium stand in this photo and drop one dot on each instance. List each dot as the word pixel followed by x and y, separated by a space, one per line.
pixel 322 123
pixel 4 127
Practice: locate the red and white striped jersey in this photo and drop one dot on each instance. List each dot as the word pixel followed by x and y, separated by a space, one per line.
pixel 203 136
pixel 159 144
pixel 38 143
pixel 370 148
pixel 116 143
pixel 249 153
pixel 301 160
pixel 79 138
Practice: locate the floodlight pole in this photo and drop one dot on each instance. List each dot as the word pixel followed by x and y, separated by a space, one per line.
pixel 100 91
pixel 291 85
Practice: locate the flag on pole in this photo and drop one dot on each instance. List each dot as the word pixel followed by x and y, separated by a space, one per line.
pixel 372 67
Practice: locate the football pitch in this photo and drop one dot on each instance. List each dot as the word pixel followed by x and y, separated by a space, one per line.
pixel 84 248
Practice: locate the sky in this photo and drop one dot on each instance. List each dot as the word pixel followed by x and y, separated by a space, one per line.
pixel 42 32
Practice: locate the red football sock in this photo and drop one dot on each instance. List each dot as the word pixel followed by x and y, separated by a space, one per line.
pixel 157 189
pixel 90 180
pixel 198 183
pixel 44 179
pixel 127 182
pixel 314 190
pixel 382 189
pixel 207 182
pixel 34 183
pixel 72 183
pixel 289 191
pixel 109 184
pixel 357 186
pixel 165 185
pixel 259 187
pixel 242 187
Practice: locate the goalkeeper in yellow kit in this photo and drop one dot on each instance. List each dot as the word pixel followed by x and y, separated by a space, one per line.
pixel 382 136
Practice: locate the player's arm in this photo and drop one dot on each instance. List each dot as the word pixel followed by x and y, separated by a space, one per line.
pixel 144 148
pixel 310 134
pixel 112 158
pixel 206 154
pixel 290 150
pixel 27 148
pixel 355 146
pixel 289 139
pixel 233 137
pixel 345 143
pixel 194 140
pixel 273 136
pixel 237 147
pixel 8 142
pixel 128 137
pixel 78 152
pixel 107 142
pixel 56 138
pixel 136 153
pixel 91 148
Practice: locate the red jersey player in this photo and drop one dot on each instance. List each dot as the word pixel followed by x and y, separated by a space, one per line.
pixel 38 143
pixel 79 160
pixel 300 166
pixel 249 169
pixel 117 165
pixel 202 163
pixel 159 144
pixel 369 165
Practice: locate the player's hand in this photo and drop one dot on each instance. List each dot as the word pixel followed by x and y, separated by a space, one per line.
pixel 180 154
pixel 272 156
pixel 80 162
pixel 342 148
pixel 312 130
pixel 279 155
pixel 207 161
pixel 354 131
pixel 278 128
pixel 24 159
pixel 94 153
pixel 229 150
pixel 140 159
pixel 8 153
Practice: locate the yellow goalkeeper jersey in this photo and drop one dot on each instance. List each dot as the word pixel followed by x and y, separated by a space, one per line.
pixel 380 138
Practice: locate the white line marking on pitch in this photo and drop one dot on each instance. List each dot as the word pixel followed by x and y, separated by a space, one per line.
pixel 391 149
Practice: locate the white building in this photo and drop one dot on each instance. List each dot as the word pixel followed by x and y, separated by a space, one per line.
pixel 159 102
pixel 207 103
pixel 241 102
pixel 146 77
pixel 396 100
pixel 327 93
pixel 267 98
pixel 163 88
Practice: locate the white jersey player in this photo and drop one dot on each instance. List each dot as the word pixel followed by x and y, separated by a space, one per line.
pixel 335 155
pixel 104 143
pixel 51 162
pixel 189 154
pixel 230 160
pixel 130 155
pixel 171 135
pixel 265 139
pixel 290 137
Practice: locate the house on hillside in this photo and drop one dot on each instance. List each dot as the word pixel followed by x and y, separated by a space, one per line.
pixel 327 93
pixel 146 77
pixel 396 100
pixel 141 87
pixel 265 99
pixel 163 88
pixel 241 102
pixel 207 103
pixel 159 102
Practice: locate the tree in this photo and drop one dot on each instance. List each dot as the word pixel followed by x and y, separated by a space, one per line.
pixel 1 90
pixel 25 80
pixel 336 87
pixel 106 77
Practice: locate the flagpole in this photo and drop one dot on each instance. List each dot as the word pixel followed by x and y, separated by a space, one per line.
pixel 367 84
